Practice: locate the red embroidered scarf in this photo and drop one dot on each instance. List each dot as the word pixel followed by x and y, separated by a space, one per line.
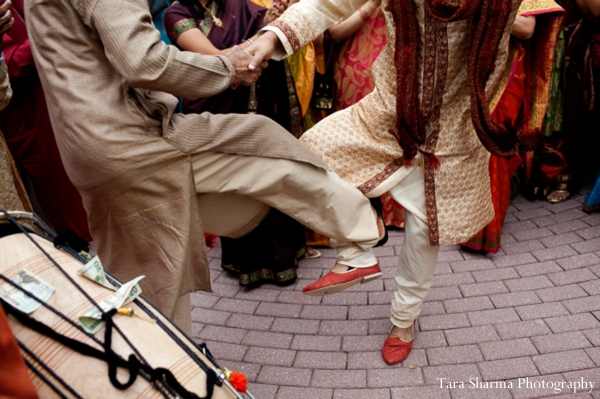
pixel 489 19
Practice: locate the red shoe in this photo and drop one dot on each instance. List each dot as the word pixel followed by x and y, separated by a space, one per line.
pixel 335 282
pixel 396 350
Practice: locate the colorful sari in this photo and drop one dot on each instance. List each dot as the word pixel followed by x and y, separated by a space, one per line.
pixel 352 75
pixel 272 250
pixel 520 99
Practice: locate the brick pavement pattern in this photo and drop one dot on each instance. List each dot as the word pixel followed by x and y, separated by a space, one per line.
pixel 527 314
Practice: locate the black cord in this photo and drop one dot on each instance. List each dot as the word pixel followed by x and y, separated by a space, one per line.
pixel 114 360
pixel 47 369
pixel 43 378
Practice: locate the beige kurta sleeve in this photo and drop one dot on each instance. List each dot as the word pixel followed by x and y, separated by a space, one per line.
pixel 133 46
pixel 304 21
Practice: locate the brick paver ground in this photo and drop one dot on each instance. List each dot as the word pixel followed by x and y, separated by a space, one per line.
pixel 522 323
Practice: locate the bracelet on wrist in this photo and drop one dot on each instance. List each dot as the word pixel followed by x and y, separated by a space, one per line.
pixel 364 16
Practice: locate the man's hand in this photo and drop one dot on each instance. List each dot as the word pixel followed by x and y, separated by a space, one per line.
pixel 262 49
pixel 240 60
pixel 277 8
pixel 6 19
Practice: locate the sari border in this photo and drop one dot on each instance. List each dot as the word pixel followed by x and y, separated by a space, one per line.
pixel 531 7
pixel 181 26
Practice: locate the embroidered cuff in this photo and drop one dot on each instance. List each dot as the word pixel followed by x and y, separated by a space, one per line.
pixel 286 36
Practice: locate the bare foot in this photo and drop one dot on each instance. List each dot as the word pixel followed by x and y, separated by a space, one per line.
pixel 380 228
pixel 339 268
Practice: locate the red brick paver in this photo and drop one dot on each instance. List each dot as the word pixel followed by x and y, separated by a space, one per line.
pixel 512 320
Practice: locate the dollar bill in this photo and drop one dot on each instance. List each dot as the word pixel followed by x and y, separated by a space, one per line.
pixel 94 271
pixel 91 321
pixel 21 300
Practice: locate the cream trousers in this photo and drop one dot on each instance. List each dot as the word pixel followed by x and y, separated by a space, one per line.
pixel 316 198
pixel 416 264
pixel 233 190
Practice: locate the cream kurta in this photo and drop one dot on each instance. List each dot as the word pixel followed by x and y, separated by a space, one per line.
pixel 124 150
pixel 355 142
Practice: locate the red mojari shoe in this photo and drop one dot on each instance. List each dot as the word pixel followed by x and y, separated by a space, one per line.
pixel 396 350
pixel 335 282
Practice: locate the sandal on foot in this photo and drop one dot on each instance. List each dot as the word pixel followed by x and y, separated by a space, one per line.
pixel 561 193
pixel 311 253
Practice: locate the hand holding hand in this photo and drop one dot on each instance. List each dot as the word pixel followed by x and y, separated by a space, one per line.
pixel 6 19
pixel 262 49
pixel 240 60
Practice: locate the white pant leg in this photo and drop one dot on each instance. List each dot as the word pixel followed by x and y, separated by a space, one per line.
pixel 316 198
pixel 417 260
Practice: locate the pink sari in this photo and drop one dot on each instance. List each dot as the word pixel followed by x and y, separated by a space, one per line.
pixel 352 74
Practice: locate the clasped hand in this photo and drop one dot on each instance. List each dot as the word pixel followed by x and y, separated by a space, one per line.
pixel 6 19
pixel 243 75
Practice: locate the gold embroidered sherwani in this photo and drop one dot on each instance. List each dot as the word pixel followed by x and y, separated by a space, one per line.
pixel 356 144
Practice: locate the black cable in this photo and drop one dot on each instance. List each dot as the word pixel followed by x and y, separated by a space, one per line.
pixel 110 357
pixel 114 360
pixel 170 333
pixel 47 369
pixel 12 220
pixel 43 378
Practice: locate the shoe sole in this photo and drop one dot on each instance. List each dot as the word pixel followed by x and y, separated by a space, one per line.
pixel 332 289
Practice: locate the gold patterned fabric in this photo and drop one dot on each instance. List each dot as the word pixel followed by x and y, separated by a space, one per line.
pixel 355 142
pixel 12 195
pixel 12 192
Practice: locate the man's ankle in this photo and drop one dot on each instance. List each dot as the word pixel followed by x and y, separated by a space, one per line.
pixel 405 334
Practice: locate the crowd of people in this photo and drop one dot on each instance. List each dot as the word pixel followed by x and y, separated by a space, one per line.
pixel 283 125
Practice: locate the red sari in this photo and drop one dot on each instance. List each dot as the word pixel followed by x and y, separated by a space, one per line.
pixel 14 379
pixel 26 126
pixel 520 98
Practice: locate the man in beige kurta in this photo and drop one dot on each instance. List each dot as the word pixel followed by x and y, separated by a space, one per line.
pixel 443 206
pixel 150 179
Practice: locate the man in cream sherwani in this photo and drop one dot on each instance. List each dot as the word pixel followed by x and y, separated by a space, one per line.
pixel 446 201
